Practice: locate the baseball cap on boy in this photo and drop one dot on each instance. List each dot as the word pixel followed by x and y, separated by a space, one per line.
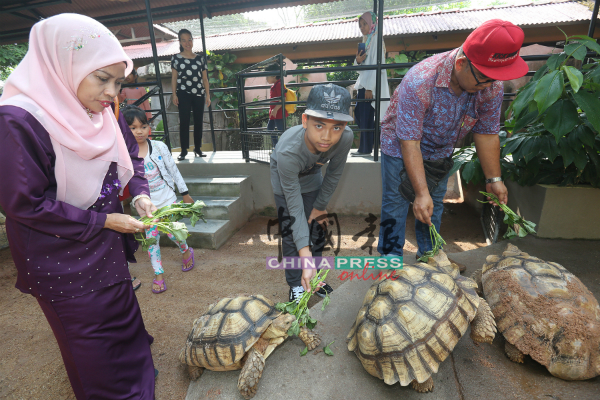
pixel 330 102
pixel 493 49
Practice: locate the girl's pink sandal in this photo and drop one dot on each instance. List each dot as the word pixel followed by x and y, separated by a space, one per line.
pixel 183 268
pixel 161 284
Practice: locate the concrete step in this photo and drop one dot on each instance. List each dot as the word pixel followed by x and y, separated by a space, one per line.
pixel 216 207
pixel 230 186
pixel 209 235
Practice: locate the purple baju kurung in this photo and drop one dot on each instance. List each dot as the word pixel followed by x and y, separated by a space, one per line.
pixel 75 268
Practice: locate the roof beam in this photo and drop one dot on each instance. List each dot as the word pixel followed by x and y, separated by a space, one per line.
pixel 29 17
pixel 30 6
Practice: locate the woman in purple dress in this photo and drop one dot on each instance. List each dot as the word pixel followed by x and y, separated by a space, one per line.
pixel 63 160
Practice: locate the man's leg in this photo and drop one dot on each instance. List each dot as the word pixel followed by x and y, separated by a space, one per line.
pixel 394 208
pixel 422 230
pixel 317 235
pixel 292 276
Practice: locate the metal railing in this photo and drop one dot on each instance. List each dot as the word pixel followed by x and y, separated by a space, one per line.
pixel 244 107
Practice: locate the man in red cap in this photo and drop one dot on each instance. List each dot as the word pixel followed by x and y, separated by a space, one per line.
pixel 439 101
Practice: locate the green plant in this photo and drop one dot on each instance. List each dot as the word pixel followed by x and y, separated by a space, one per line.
pixel 300 309
pixel 341 75
pixel 511 219
pixel 402 58
pixel 10 56
pixel 166 220
pixel 221 70
pixel 436 240
pixel 553 124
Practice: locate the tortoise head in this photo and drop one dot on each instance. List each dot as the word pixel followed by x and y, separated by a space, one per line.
pixel 441 260
pixel 282 324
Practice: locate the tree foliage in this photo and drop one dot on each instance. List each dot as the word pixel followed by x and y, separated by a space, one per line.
pixel 10 56
pixel 554 123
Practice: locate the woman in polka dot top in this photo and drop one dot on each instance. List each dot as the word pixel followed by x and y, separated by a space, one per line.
pixel 189 81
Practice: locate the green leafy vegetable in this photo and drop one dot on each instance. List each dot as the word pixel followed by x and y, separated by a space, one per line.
pixel 303 352
pixel 300 309
pixel 327 350
pixel 511 219
pixel 437 241
pixel 168 217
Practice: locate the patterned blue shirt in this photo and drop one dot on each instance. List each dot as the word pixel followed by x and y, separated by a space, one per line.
pixel 425 108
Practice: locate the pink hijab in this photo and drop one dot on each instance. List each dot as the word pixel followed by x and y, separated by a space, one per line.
pixel 63 50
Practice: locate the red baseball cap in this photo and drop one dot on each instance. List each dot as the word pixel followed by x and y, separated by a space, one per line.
pixel 493 49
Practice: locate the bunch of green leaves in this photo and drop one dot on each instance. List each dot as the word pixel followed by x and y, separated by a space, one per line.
pixel 300 309
pixel 167 218
pixel 404 57
pixel 221 70
pixel 437 241
pixel 555 122
pixel 511 219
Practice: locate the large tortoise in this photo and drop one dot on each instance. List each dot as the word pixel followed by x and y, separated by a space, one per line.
pixel 410 322
pixel 239 333
pixel 545 311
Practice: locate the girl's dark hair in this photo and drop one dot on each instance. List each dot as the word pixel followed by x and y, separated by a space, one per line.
pixel 131 113
pixel 182 32
pixel 275 68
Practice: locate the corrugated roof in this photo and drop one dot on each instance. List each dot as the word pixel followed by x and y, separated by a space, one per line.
pixel 122 14
pixel 534 14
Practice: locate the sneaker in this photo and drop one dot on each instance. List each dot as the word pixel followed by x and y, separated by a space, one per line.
pixel 296 293
pixel 324 290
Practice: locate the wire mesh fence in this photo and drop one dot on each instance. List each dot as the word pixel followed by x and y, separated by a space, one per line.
pixel 258 145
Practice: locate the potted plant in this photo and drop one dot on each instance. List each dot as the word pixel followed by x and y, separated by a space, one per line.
pixel 551 148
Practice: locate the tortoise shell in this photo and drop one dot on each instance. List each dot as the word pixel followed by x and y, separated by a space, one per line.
pixel 410 322
pixel 221 337
pixel 545 311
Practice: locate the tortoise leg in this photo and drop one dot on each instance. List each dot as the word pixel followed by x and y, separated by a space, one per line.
pixel 195 372
pixel 514 354
pixel 476 276
pixel 251 373
pixel 424 387
pixel 483 326
pixel 310 338
pixel 461 267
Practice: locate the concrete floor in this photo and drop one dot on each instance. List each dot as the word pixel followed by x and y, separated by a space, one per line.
pixel 471 372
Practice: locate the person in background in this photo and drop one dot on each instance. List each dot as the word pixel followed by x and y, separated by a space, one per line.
pixel 364 112
pixel 275 112
pixel 64 158
pixel 162 175
pixel 132 94
pixel 438 102
pixel 301 192
pixel 191 92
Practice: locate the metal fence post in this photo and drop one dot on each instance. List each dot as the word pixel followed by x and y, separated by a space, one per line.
pixel 378 79
pixel 594 19
pixel 161 99
pixel 281 86
pixel 210 115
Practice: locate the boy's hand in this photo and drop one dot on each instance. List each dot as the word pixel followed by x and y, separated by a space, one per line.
pixel 368 94
pixel 319 216
pixel 188 199
pixel 273 113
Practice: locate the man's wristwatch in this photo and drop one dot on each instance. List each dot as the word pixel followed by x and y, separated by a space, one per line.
pixel 492 180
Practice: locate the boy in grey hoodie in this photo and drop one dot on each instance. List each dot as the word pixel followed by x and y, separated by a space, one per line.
pixel 301 192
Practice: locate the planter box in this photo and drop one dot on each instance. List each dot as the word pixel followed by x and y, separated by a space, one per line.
pixel 558 211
